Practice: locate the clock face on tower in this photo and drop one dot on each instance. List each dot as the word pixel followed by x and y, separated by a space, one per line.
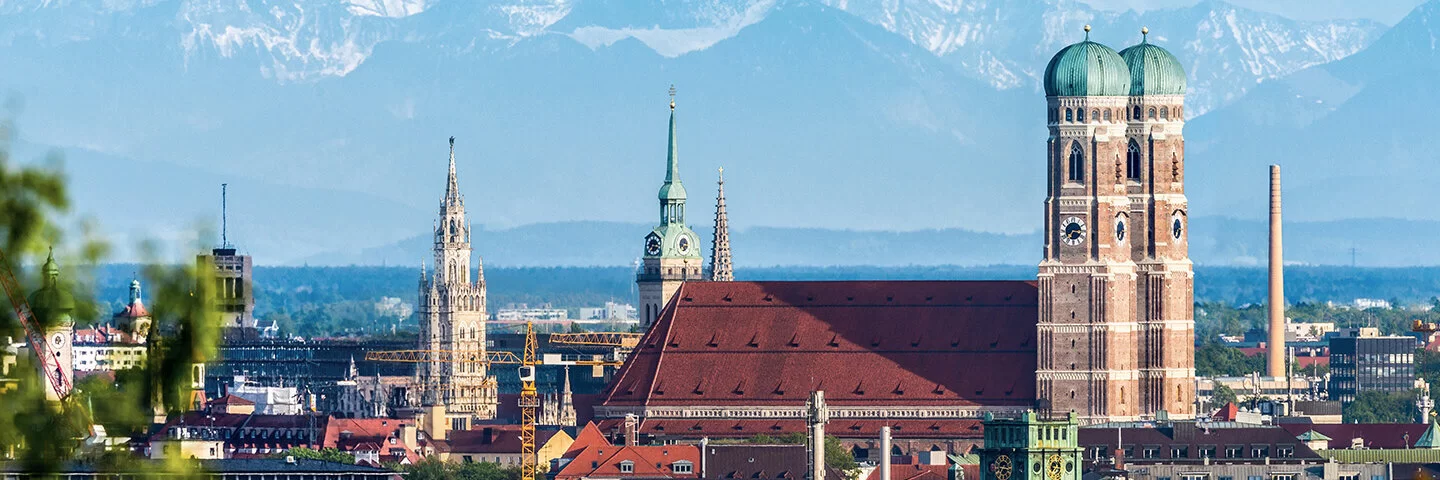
pixel 1054 469
pixel 1001 467
pixel 1177 224
pixel 1072 231
pixel 57 340
pixel 652 244
pixel 684 245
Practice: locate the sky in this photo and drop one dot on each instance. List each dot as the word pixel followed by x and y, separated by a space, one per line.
pixel 1384 11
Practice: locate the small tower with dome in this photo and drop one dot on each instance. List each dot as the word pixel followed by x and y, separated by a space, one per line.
pixel 53 306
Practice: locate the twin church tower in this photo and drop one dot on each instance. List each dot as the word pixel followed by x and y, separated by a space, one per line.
pixel 1116 285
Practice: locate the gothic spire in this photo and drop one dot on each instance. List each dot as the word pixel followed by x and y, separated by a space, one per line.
pixel 452 186
pixel 672 192
pixel 720 268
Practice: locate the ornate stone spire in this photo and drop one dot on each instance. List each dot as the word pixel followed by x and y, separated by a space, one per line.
pixel 720 268
pixel 452 186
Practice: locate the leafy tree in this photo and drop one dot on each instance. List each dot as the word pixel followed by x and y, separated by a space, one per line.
pixel 1381 407
pixel 1214 360
pixel 326 454
pixel 432 468
pixel 1222 396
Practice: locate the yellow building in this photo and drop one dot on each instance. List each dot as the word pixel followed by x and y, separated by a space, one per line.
pixel 501 444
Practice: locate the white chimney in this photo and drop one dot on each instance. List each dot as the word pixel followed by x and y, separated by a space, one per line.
pixel 885 452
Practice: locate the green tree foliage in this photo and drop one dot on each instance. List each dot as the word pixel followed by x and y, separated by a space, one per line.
pixel 45 435
pixel 1382 407
pixel 1216 360
pixel 432 468
pixel 326 454
pixel 1222 396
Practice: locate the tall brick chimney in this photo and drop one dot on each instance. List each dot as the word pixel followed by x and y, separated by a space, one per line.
pixel 1275 351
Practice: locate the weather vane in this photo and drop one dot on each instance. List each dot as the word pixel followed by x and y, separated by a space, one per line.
pixel 672 96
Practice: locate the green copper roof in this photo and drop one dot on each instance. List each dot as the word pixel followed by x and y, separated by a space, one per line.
pixel 1087 69
pixel 1313 436
pixel 1431 437
pixel 672 189
pixel 51 299
pixel 1153 70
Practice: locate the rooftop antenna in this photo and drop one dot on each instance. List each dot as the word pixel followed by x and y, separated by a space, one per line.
pixel 224 221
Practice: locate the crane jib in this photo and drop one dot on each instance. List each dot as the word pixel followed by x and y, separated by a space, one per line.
pixel 49 364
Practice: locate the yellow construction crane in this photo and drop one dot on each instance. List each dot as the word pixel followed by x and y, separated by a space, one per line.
pixel 600 339
pixel 528 403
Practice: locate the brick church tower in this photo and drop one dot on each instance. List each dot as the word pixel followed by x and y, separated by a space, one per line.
pixel 1116 334
pixel 1155 181
pixel 672 250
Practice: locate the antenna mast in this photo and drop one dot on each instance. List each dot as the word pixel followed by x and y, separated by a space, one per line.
pixel 224 223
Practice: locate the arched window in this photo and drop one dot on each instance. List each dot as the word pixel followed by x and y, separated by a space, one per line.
pixel 1137 115
pixel 1107 116
pixel 1069 115
pixel 1077 162
pixel 1164 113
pixel 1132 164
pixel 1152 113
pixel 1080 115
pixel 1095 115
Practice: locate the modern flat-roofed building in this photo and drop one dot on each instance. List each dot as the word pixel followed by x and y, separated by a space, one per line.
pixel 1365 361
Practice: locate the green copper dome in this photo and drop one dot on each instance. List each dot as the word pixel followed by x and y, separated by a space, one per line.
pixel 1153 70
pixel 1087 69
pixel 51 299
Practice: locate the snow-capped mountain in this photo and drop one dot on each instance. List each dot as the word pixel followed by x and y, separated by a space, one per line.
pixel 1004 43
pixel 1226 49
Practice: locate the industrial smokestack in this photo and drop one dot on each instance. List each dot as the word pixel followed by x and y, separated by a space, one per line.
pixel 1275 352
pixel 885 452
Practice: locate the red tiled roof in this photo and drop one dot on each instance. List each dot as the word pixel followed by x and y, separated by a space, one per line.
pixel 1375 435
pixel 645 462
pixel 841 428
pixel 863 342
pixel 133 310
pixel 588 436
pixel 910 471
pixel 1227 413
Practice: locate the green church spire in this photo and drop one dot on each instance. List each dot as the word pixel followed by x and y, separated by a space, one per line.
pixel 672 193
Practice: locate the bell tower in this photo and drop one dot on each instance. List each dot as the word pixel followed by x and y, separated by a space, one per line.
pixel 1155 182
pixel 1087 329
pixel 672 250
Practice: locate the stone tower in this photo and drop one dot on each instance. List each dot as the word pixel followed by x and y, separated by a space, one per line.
pixel 720 268
pixel 1155 182
pixel 672 250
pixel 1031 448
pixel 452 319
pixel 53 306
pixel 1087 358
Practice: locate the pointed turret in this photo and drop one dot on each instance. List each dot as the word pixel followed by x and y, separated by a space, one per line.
pixel 452 186
pixel 672 192
pixel 720 268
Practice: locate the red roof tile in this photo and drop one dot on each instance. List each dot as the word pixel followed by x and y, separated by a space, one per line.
pixel 587 437
pixel 841 428
pixel 231 400
pixel 910 471
pixel 863 342
pixel 644 462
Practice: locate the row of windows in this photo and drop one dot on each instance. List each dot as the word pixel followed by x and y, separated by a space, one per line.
pixel 1134 162
pixel 1203 451
pixel 1073 115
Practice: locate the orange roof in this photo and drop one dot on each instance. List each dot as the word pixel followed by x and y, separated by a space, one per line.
pixel 588 436
pixel 911 471
pixel 231 400
pixel 657 461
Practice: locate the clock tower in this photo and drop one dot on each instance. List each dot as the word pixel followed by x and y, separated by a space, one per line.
pixel 1031 448
pixel 53 306
pixel 671 249
pixel 1155 182
pixel 1087 349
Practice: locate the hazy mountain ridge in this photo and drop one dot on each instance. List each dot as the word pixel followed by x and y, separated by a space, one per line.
pixel 1378 242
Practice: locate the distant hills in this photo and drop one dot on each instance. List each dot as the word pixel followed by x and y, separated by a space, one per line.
pixel 1214 241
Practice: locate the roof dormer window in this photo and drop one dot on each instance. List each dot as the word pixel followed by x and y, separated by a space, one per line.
pixel 627 467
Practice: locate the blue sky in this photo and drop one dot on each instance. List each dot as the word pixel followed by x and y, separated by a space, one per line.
pixel 1384 11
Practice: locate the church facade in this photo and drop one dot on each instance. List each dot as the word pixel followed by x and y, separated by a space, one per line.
pixel 452 320
pixel 1107 330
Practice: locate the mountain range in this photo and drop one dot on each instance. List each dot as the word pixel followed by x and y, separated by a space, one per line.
pixel 328 118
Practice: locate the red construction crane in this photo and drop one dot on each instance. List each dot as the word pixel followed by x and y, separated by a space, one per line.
pixel 34 336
